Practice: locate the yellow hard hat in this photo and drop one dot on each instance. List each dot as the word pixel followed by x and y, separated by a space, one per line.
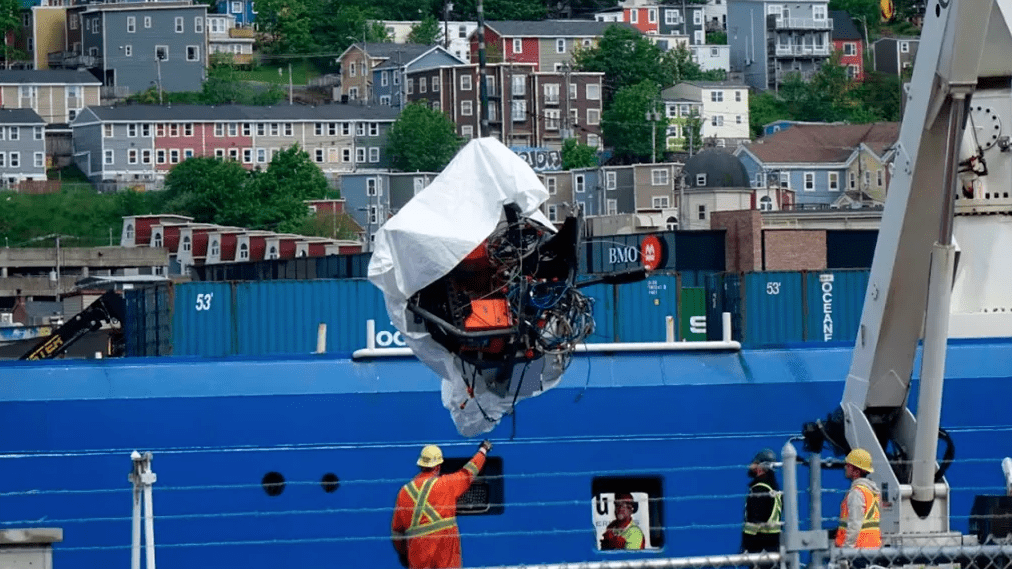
pixel 861 459
pixel 431 456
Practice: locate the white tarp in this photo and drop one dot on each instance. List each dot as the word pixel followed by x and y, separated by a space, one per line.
pixel 428 237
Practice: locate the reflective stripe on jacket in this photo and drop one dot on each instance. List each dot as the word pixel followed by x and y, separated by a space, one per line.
pixel 771 525
pixel 870 536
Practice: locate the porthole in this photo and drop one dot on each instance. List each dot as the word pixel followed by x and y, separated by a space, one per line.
pixel 330 482
pixel 273 483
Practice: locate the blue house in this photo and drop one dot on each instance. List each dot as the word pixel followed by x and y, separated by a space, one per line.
pixel 373 196
pixel 397 81
pixel 244 11
pixel 825 165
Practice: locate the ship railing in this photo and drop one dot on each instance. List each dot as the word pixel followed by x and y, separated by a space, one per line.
pixel 669 345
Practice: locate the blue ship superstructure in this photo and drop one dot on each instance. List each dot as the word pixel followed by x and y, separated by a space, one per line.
pixel 343 436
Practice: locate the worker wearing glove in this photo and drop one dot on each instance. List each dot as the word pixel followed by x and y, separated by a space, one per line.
pixel 623 533
pixel 424 528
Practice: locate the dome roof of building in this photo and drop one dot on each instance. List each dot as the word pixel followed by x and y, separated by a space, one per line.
pixel 722 169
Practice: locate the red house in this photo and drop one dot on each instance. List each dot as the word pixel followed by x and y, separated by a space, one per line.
pixel 847 40
pixel 137 228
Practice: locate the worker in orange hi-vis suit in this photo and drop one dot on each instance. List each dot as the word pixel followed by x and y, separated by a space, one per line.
pixel 424 528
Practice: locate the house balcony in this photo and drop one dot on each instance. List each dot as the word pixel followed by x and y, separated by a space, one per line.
pixel 242 33
pixel 72 60
pixel 801 51
pixel 802 24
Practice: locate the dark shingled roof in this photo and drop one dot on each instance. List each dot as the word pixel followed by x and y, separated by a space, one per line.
pixel 20 116
pixel 819 143
pixel 553 28
pixel 47 76
pixel 245 113
pixel 722 169
pixel 844 28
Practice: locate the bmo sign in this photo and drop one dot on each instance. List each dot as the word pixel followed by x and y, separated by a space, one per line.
pixel 620 252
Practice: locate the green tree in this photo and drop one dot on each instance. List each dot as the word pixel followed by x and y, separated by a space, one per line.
pixel 830 92
pixel 626 57
pixel 881 95
pixel 764 108
pixel 327 224
pixel 500 10
pixel 210 190
pixel 681 65
pixel 869 10
pixel 693 130
pixel 426 32
pixel 289 24
pixel 422 139
pixel 281 190
pixel 10 24
pixel 625 125
pixel 716 38
pixel 577 155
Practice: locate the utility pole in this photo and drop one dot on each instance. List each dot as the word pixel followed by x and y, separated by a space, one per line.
pixel 289 83
pixel 565 96
pixel 483 85
pixel 158 64
pixel 507 96
pixel 447 6
pixel 653 116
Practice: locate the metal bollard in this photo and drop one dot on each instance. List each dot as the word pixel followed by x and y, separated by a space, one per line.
pixel 791 529
pixel 815 504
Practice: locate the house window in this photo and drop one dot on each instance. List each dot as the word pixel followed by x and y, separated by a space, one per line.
pixel 560 45
pixel 700 180
pixel 852 180
pixel 652 15
pixel 785 179
pixel 467 131
pixel 466 108
pixel 261 155
pixel 519 85
pixel 409 85
pixel 215 248
pixel 233 129
pixel 247 129
pixel 147 21
pixel 14 160
pixel 659 177
pixel 715 52
pixel 247 155
pixel 579 183
pixel 809 181
pixel 593 140
pixel 610 180
pixel 850 48
pixel 319 155
pixel 465 82
pixel 634 16
pixel 717 120
pixel 192 53
pixel 107 131
pixel 435 84
pixel 573 90
pixel 701 211
pixel 162 52
pixel 765 203
pixel 880 177
pixel 40 159
pixel 551 93
pixel 160 156
pixel 670 17
pixel 818 12
pixel 132 156
pixel 187 153
pixel 852 71
pixel 198 25
pixel 384 78
pixel 289 129
pixel 904 47
pixel 867 179
pixel 39 135
pixel 219 129
pixel 697 18
pixel 519 111
pixel 737 96
pixel 179 25
pixel 275 129
pixel 737 119
pixel 611 206
pixel 551 119
pixel 553 213
pixel 593 92
pixel 659 202
pixel 834 181
pixel 550 185
pixel 593 116
pixel 717 96
pixel 244 251
pixel 145 156
pixel 128 51
pixel 186 243
pixel 360 155
pixel 157 240
pixel 237 7
pixel 374 154
pixel 173 130
pixel 518 45
pixel 174 156
pixel 131 24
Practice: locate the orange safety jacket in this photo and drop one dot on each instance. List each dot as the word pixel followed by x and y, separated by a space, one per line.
pixel 870 536
pixel 424 528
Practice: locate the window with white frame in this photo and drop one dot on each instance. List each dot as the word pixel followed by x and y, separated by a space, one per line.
pixel 162 52
pixel 785 179
pixel 384 78
pixel 360 155
pixel 519 111
pixel 879 177
pixel 233 154
pixel 518 45
pixel 192 53
pixel 593 92
pixel 237 7
pixel 261 155
pixel 634 16
pixel 319 155
pixel 106 131
pixel 132 156
pixel 39 133
pixel 579 183
pixel 659 177
pixel 187 153
pixel 553 213
pixel 247 129
pixel 131 24
pixel 40 160
pixel 243 251
pixel 659 202
pixel 359 129
pixel 198 25
pixel 611 206
pixel 670 17
pixel 465 82
pixel 904 47
pixel 701 180
pixel 519 85
pixel 819 12
pixel 867 179
pixel 160 156
pixel 233 129
pixel 128 51
pixel 560 45
pixel 852 180
pixel 435 84
pixel 552 119
pixel 467 108
pixel 275 129
pixel 550 185
pixel 145 156
pixel 573 90
pixel 374 154
pixel 147 21
pixel 289 129
pixel 701 212
pixel 766 203
pixel 551 93
pixel 610 180
pixel 174 156
pixel 652 15
pixel 833 181
pixel 467 131
pixel 717 120
pixel 384 99
pixel 179 25
pixel 593 116
pixel 809 181
pixel 409 85
pixel 717 96
pixel 850 48
pixel 852 71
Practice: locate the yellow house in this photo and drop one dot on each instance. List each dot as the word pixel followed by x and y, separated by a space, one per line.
pixel 57 95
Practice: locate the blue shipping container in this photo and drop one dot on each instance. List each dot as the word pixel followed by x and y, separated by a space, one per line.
pixel 834 304
pixel 282 317
pixel 603 296
pixel 773 308
pixel 202 321
pixel 643 307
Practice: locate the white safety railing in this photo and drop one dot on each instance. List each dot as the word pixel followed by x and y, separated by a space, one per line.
pixel 726 343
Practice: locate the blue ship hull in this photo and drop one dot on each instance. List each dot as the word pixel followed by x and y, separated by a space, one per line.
pixel 688 420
